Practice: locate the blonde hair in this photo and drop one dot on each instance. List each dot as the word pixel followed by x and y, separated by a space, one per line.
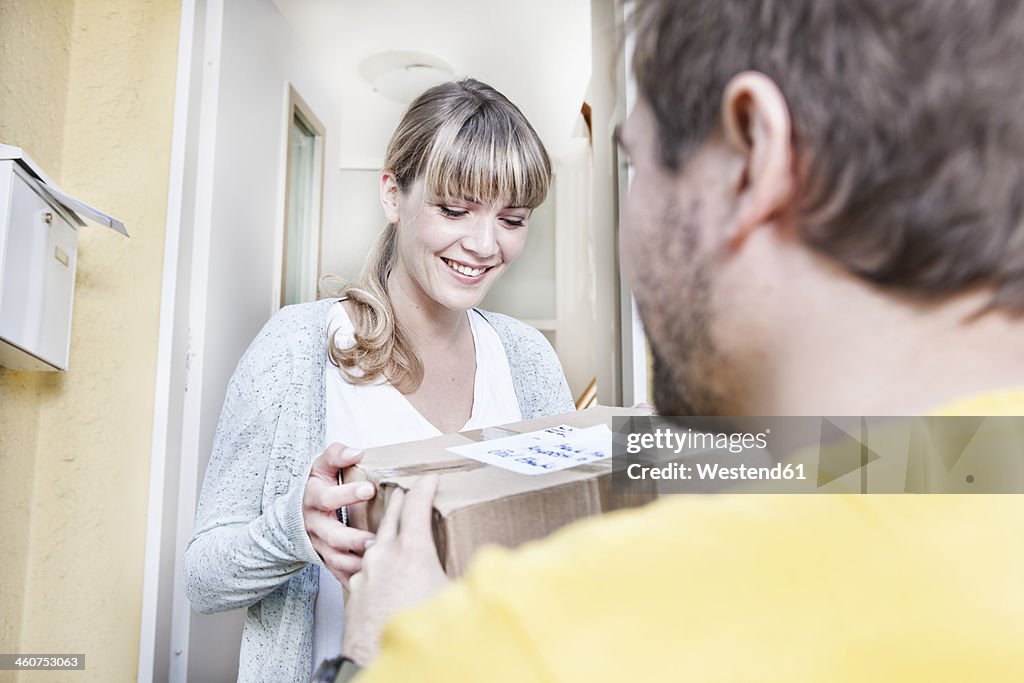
pixel 465 139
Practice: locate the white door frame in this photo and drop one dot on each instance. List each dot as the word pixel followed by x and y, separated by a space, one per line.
pixel 174 481
pixel 633 341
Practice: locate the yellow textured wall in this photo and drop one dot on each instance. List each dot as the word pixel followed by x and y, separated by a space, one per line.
pixel 34 67
pixel 34 61
pixel 90 446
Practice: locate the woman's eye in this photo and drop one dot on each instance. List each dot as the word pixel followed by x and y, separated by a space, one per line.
pixel 514 222
pixel 451 213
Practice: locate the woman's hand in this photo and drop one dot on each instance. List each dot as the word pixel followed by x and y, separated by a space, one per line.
pixel 340 547
pixel 400 570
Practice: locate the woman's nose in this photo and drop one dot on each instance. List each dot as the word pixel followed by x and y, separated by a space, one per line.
pixel 482 239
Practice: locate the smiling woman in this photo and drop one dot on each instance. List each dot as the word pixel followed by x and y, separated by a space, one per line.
pixel 407 356
pixel 465 154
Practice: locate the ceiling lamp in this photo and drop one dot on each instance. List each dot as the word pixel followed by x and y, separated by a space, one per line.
pixel 401 76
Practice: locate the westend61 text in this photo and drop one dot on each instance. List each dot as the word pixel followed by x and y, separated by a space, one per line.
pixel 714 472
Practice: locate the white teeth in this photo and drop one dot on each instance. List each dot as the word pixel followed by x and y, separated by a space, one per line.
pixel 465 270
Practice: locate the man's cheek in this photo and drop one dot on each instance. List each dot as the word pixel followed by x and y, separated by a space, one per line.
pixel 627 248
pixel 637 243
pixel 636 264
pixel 653 296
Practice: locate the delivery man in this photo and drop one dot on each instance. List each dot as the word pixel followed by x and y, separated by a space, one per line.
pixel 825 218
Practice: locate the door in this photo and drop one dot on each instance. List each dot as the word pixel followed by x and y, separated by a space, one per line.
pixel 240 65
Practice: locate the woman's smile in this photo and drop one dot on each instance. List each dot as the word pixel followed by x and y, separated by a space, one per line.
pixel 464 272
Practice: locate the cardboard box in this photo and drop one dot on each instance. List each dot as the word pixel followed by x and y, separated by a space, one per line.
pixel 478 504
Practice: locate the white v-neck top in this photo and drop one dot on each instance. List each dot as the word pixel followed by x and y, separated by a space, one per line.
pixel 368 415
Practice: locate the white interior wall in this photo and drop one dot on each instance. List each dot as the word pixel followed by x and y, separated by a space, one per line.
pixel 526 289
pixel 239 228
pixel 576 275
pixel 347 241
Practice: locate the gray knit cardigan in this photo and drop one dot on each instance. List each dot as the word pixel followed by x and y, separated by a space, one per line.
pixel 250 547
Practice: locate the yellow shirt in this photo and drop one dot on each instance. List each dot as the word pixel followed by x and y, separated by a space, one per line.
pixel 741 588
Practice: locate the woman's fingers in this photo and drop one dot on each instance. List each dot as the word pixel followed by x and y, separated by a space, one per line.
pixel 341 549
pixel 345 539
pixel 327 531
pixel 388 528
pixel 331 497
pixel 338 546
pixel 336 457
pixel 342 564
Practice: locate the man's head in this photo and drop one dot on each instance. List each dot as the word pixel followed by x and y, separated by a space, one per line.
pixel 878 143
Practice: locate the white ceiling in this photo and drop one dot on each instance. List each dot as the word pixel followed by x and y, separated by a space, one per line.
pixel 537 52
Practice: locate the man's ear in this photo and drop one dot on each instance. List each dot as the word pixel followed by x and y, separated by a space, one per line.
pixel 757 125
pixel 389 196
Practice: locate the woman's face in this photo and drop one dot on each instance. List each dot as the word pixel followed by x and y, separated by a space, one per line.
pixel 451 251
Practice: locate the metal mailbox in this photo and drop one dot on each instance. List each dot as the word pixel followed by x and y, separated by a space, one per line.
pixel 38 253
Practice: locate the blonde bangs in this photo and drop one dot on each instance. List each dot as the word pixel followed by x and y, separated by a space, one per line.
pixel 487 159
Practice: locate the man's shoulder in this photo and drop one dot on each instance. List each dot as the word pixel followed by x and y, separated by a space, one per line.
pixel 668 530
pixel 721 587
pixel 676 553
pixel 1009 401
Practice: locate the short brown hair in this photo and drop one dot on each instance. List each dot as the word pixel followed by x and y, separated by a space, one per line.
pixel 908 123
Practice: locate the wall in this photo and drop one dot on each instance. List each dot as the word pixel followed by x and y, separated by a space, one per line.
pixel 101 76
pixel 259 56
pixel 34 63
pixel 33 98
pixel 347 243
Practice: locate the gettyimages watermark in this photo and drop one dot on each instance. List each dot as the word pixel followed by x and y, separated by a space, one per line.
pixel 658 455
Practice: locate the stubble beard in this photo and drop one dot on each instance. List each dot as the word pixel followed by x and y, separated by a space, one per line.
pixel 684 363
pixel 684 355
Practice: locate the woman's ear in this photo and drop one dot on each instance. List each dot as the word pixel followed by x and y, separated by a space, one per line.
pixel 389 196
pixel 757 125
